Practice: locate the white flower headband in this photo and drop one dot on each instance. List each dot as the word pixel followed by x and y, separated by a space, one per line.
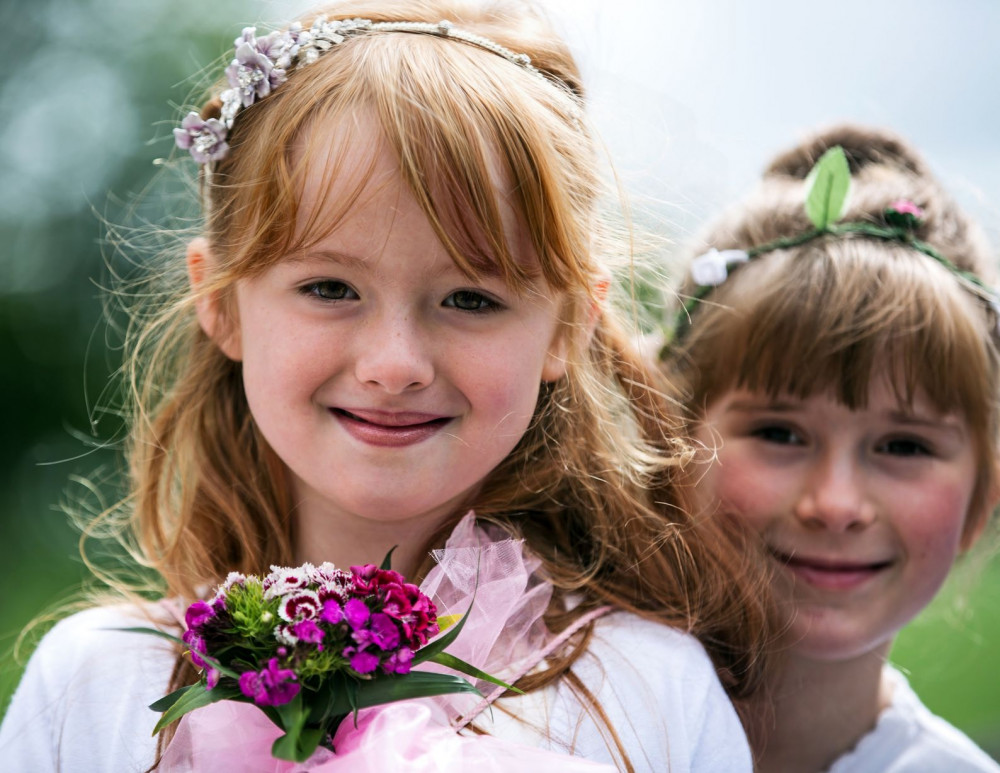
pixel 261 65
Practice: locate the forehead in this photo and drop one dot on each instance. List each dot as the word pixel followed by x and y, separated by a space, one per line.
pixel 352 181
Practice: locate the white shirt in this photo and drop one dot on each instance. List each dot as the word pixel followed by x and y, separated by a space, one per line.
pixel 908 738
pixel 82 703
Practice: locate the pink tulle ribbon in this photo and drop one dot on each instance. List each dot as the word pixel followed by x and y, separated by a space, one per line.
pixel 504 635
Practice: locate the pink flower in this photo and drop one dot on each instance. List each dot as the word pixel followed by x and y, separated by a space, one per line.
pixel 907 207
pixel 271 686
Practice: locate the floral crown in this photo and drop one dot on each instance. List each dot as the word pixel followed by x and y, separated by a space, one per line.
pixel 261 65
pixel 828 185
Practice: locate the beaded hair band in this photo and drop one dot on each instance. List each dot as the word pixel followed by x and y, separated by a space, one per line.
pixel 827 187
pixel 261 64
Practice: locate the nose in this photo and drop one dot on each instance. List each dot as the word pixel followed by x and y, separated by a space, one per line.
pixel 835 496
pixel 393 352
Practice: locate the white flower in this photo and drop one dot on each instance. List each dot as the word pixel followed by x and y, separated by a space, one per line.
pixel 712 268
pixel 284 580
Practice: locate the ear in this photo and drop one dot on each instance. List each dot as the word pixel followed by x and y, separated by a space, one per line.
pixel 977 519
pixel 208 307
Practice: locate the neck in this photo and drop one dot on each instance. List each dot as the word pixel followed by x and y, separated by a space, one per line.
pixel 363 541
pixel 818 710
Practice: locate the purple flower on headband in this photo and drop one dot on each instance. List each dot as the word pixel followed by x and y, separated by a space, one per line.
pixel 903 213
pixel 205 140
pixel 253 73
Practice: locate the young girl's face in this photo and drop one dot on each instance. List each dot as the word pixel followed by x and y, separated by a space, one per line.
pixel 861 511
pixel 389 382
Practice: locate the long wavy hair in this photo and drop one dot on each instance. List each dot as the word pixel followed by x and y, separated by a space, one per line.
pixel 597 486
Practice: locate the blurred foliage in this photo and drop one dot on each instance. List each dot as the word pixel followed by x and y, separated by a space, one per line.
pixel 87 114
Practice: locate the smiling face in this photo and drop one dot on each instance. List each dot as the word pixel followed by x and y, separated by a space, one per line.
pixel 388 382
pixel 862 511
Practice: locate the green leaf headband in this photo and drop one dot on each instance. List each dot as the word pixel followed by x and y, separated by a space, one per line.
pixel 828 185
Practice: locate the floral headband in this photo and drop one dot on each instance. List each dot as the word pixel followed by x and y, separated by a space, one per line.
pixel 828 185
pixel 261 65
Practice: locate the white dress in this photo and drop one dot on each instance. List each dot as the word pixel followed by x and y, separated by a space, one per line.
pixel 908 738
pixel 82 703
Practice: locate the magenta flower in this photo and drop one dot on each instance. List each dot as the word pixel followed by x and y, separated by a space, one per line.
pixel 196 647
pixel 356 613
pixel 399 661
pixel 199 613
pixel 307 631
pixel 271 686
pixel 382 632
pixel 362 662
pixel 332 612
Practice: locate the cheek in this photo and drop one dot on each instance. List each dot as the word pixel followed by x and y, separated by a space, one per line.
pixel 930 522
pixel 739 487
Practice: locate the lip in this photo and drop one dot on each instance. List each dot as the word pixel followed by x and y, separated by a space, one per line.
pixel 830 573
pixel 389 429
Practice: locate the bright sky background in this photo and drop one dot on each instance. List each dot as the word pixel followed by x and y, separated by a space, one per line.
pixel 694 96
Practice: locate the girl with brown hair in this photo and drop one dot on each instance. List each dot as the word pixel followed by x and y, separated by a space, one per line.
pixel 839 360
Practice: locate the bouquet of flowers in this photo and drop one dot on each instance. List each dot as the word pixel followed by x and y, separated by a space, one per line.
pixel 312 645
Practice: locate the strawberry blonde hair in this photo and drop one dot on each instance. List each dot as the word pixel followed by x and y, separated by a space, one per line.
pixel 596 486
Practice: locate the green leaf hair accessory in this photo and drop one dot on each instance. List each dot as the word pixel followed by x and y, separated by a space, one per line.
pixel 828 183
pixel 828 187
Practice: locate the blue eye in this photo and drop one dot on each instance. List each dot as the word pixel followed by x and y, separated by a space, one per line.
pixel 329 290
pixel 471 301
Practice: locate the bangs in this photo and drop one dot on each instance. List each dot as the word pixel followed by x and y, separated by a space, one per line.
pixel 835 316
pixel 473 133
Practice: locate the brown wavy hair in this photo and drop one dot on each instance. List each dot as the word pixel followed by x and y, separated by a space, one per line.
pixel 597 485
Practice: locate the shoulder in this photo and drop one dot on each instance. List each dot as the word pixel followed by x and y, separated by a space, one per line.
pixel 660 694
pixel 909 738
pixel 86 688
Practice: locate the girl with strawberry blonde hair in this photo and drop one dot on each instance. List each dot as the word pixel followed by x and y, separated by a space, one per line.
pixel 399 309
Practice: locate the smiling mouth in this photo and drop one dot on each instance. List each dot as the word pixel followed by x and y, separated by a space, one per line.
pixel 390 420
pixel 830 573
pixel 390 429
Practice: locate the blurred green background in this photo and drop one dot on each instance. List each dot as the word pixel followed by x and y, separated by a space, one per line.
pixel 87 106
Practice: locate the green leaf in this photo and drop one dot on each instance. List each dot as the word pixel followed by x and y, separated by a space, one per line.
pixel 416 684
pixel 194 697
pixel 437 646
pixel 387 561
pixel 152 631
pixel 298 743
pixel 167 701
pixel 444 659
pixel 827 187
